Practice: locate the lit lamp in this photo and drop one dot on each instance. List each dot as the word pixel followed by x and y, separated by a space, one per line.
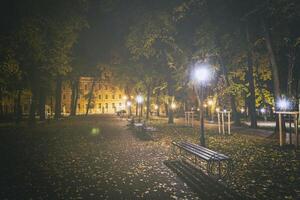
pixel 156 107
pixel 173 106
pixel 242 110
pixel 202 74
pixel 283 104
pixel 139 100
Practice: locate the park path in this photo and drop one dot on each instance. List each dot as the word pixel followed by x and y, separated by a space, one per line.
pixel 85 158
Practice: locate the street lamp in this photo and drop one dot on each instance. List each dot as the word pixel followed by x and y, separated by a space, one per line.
pixel 202 74
pixel 283 104
pixel 139 100
pixel 173 106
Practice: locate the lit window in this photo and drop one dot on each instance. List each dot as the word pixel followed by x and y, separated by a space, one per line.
pixel 113 96
pixel 99 96
pixel 99 105
pixel 120 96
pixel 106 96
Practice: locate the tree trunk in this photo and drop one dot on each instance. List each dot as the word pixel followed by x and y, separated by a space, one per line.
pixel 291 66
pixel 148 101
pixel 274 68
pixel 157 103
pixel 170 112
pixel 166 109
pixel 90 96
pixel 42 103
pixel 74 97
pixel 275 75
pixel 33 104
pixel 252 106
pixel 235 114
pixel 1 103
pixel 57 114
pixel 18 107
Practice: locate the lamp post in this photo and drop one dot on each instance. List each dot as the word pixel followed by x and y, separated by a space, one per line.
pixel 202 74
pixel 139 100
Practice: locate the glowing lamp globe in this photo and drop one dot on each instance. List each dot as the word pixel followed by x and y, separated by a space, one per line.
pixel 283 104
pixel 202 73
pixel 139 99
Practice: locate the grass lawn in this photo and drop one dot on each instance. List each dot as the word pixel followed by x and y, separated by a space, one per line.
pixel 262 170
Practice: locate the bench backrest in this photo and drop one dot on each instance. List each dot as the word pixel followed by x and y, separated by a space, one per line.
pixel 207 153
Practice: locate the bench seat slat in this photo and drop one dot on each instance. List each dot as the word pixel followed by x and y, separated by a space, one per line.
pixel 208 151
pixel 202 154
pixel 201 151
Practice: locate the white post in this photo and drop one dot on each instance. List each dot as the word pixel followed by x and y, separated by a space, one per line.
pixel 280 130
pixel 192 119
pixel 223 123
pixel 296 130
pixel 228 115
pixel 219 122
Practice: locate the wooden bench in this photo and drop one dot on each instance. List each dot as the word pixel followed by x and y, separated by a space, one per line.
pixel 216 164
pixel 143 127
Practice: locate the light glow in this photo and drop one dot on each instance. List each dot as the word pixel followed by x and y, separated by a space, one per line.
pixel 283 104
pixel 173 105
pixel 156 107
pixel 139 99
pixel 263 110
pixel 210 102
pixel 202 73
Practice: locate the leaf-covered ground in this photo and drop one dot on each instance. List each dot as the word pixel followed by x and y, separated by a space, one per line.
pixel 85 158
pixel 262 170
pixel 99 158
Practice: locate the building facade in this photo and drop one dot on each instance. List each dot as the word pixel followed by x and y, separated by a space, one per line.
pixel 106 96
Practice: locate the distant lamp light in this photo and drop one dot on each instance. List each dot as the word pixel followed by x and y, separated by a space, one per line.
pixel 198 109
pixel 242 110
pixel 263 110
pixel 128 103
pixel 156 107
pixel 210 102
pixel 125 97
pixel 139 99
pixel 283 104
pixel 205 105
pixel 173 105
pixel 217 109
pixel 225 111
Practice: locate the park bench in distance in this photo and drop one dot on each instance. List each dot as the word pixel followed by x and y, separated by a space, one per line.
pixel 216 164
